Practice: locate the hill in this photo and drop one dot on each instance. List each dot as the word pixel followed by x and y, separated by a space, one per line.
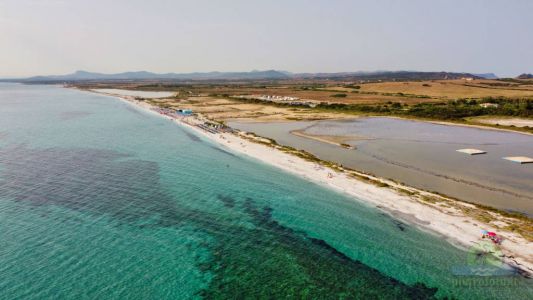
pixel 248 76
pixel 387 76
pixel 144 75
pixel 487 75
pixel 525 76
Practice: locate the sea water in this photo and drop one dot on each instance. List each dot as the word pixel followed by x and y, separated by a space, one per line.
pixel 99 199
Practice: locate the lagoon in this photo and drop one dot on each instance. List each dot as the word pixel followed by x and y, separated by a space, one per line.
pixel 421 154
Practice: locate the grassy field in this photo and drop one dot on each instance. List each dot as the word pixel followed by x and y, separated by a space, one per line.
pixel 449 100
pixel 222 109
pixel 453 89
pixel 409 92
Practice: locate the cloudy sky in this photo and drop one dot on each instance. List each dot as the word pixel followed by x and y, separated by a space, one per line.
pixel 61 36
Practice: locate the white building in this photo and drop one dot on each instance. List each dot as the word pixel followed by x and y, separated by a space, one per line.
pixel 487 105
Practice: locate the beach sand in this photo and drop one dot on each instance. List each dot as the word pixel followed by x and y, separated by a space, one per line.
pixel 518 122
pixel 449 223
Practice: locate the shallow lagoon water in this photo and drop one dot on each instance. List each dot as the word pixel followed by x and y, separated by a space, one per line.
pixel 423 155
pixel 113 202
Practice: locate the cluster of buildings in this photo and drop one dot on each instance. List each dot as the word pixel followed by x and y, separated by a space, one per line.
pixel 213 127
pixel 198 121
pixel 280 99
pixel 274 98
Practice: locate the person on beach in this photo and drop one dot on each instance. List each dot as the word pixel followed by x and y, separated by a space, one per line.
pixel 492 236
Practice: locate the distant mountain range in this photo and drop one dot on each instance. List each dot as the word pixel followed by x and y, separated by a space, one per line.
pixel 144 75
pixel 487 75
pixel 525 76
pixel 253 75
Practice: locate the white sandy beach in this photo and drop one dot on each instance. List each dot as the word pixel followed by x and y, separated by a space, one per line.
pixel 447 222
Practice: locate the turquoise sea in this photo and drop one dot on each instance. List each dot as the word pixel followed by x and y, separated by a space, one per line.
pixel 100 200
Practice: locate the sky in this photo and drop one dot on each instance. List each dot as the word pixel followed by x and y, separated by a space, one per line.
pixel 62 36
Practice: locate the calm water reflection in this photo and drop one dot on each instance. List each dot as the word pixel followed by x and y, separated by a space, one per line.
pixel 423 155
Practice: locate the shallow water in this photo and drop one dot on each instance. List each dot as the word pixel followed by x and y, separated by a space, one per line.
pixel 423 155
pixel 144 94
pixel 113 202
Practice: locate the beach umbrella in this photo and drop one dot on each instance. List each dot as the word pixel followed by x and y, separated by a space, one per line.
pixel 492 234
pixel 484 232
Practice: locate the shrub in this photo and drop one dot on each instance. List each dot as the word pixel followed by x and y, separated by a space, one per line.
pixel 338 95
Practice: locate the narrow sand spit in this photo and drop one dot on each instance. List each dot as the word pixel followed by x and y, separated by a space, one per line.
pixel 518 122
pixel 449 223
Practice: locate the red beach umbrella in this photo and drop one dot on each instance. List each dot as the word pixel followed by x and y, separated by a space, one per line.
pixel 492 233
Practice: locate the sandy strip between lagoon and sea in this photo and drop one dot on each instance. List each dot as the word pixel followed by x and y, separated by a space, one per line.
pixel 459 229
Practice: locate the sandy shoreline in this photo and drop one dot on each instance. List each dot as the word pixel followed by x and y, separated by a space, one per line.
pixel 447 222
pixel 478 126
pixel 518 122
